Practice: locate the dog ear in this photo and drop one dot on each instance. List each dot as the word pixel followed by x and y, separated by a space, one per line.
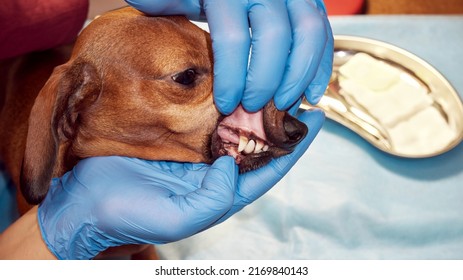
pixel 53 123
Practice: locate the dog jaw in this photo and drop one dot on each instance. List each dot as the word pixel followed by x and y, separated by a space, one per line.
pixel 254 139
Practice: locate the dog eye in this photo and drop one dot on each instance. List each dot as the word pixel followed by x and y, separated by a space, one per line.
pixel 186 77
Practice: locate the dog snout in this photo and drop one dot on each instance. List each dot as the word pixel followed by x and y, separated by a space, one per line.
pixel 295 131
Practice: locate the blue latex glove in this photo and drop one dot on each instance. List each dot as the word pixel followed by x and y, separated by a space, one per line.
pixel 111 201
pixel 292 48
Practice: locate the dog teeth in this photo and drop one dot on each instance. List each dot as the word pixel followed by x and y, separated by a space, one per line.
pixel 243 143
pixel 249 146
pixel 259 146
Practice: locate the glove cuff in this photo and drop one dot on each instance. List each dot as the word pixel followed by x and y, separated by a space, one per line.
pixel 66 237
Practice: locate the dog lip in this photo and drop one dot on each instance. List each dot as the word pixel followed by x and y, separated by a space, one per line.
pixel 246 160
pixel 254 139
pixel 244 140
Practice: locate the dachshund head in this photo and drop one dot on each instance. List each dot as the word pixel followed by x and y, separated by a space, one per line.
pixel 134 86
pixel 141 86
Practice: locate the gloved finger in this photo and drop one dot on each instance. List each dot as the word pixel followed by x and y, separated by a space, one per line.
pixel 229 29
pixel 309 42
pixel 293 110
pixel 271 41
pixel 254 184
pixel 189 8
pixel 177 172
pixel 318 85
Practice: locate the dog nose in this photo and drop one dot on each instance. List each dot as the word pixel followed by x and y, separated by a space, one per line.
pixel 295 131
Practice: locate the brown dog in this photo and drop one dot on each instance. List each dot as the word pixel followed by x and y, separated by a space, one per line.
pixel 133 86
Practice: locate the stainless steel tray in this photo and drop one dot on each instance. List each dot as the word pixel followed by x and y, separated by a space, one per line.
pixel 355 117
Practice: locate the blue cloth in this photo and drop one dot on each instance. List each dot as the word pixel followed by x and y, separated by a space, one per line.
pixel 8 209
pixel 345 199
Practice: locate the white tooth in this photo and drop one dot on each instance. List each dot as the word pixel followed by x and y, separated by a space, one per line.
pixel 265 148
pixel 250 147
pixel 259 146
pixel 243 142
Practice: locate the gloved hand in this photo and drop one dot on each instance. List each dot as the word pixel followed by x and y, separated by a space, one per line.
pixel 111 201
pixel 292 48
